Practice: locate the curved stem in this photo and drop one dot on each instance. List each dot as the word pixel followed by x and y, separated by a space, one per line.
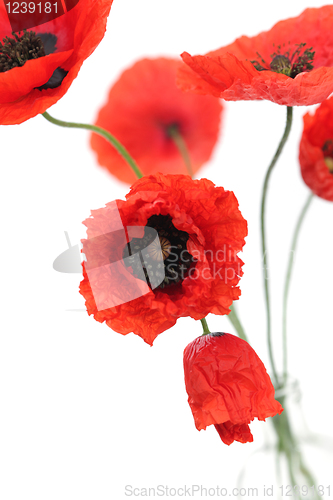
pixel 104 133
pixel 287 281
pixel 182 148
pixel 263 237
pixel 235 321
pixel 204 326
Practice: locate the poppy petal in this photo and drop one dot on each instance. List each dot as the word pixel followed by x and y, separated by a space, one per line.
pixel 141 107
pixel 215 230
pixel 317 133
pixel 77 34
pixel 228 72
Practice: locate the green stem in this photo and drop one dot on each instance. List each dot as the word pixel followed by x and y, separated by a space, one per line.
pixel 308 476
pixel 286 441
pixel 288 444
pixel 287 282
pixel 104 133
pixel 235 321
pixel 204 326
pixel 182 148
pixel 263 237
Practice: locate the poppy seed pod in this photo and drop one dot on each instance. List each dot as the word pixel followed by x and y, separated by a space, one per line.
pixel 227 386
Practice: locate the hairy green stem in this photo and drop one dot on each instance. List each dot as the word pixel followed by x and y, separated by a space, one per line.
pixel 287 283
pixel 205 326
pixel 263 239
pixel 104 133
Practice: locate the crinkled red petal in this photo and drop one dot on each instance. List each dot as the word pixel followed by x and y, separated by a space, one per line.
pixel 318 128
pixel 20 82
pixel 78 34
pixel 230 432
pixel 214 223
pixel 229 74
pixel 227 382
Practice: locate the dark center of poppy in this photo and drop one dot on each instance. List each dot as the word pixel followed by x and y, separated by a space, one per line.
pixel 16 51
pixel 217 334
pixel 287 63
pixel 164 260
pixel 172 130
pixel 328 154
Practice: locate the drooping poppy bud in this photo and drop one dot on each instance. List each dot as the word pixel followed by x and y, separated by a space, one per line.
pixel 227 386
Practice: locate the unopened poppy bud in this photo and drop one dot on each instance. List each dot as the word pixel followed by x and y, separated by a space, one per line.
pixel 227 386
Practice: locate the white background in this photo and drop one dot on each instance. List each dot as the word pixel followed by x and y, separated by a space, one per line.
pixel 84 410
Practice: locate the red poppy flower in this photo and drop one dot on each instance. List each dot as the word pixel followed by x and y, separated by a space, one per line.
pixel 227 386
pixel 144 106
pixel 292 64
pixel 168 251
pixel 38 66
pixel 316 150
